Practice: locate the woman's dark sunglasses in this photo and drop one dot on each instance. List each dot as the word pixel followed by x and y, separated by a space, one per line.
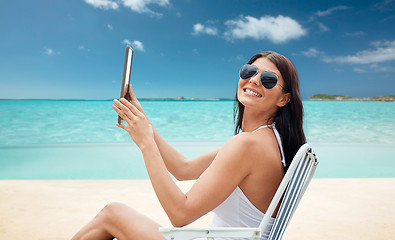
pixel 268 79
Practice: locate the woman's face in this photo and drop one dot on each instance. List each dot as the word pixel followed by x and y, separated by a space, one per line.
pixel 253 95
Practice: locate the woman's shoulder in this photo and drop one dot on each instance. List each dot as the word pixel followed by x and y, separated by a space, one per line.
pixel 261 139
pixel 261 145
pixel 253 143
pixel 241 141
pixel 252 153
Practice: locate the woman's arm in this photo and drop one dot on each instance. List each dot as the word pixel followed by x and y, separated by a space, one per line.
pixel 177 164
pixel 219 180
pixel 216 183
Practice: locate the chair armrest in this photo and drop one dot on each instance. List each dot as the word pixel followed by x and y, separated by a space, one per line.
pixel 183 233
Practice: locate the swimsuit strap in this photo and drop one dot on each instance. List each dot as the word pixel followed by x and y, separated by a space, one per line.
pixel 278 140
pixel 280 144
pixel 263 126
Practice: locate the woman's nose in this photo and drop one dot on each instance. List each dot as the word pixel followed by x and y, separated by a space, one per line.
pixel 255 79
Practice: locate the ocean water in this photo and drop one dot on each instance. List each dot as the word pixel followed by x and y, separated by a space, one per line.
pixel 79 139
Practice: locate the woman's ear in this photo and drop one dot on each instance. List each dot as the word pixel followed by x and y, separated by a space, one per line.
pixel 285 98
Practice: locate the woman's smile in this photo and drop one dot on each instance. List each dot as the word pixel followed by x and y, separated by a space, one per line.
pixel 251 92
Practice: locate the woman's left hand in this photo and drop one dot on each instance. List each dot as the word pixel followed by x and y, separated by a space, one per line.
pixel 139 127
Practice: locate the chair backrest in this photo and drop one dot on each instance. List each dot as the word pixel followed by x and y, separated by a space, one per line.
pixel 294 184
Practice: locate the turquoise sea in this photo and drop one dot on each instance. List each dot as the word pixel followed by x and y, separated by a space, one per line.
pixel 79 140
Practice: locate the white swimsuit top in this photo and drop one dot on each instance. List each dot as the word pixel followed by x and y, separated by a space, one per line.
pixel 278 140
pixel 238 211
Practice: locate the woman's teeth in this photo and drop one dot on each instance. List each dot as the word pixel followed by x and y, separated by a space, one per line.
pixel 253 93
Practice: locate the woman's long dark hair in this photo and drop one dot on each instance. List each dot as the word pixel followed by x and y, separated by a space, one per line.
pixel 289 118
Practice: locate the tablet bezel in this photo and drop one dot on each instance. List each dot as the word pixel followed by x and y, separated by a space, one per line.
pixel 127 72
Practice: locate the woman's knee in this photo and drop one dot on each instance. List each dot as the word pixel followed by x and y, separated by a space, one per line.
pixel 119 220
pixel 112 210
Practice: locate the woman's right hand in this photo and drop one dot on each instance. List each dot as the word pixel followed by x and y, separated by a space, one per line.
pixel 133 99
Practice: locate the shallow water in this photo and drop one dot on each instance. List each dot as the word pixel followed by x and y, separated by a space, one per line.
pixel 79 139
pixel 50 122
pixel 124 160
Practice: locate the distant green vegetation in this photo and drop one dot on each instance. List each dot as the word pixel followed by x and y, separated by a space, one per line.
pixel 385 98
pixel 328 97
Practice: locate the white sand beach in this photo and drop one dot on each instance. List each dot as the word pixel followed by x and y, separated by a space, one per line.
pixel 55 209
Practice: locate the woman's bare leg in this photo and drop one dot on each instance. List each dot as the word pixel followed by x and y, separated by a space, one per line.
pixel 119 221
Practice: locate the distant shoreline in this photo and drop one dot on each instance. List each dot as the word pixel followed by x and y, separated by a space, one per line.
pixel 140 99
pixel 186 99
pixel 326 97
pixel 316 97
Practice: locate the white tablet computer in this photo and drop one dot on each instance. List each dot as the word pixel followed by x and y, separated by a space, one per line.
pixel 127 69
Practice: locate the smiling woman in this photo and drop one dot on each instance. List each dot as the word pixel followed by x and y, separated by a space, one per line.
pixel 279 87
pixel 236 181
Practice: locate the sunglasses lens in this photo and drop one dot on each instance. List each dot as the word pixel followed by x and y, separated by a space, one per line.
pixel 248 71
pixel 269 80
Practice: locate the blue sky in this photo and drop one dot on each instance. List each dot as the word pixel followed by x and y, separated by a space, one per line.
pixel 192 48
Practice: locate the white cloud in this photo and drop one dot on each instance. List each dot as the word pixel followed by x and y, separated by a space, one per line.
pixel 103 4
pixel 360 70
pixel 50 51
pixel 385 51
pixel 385 5
pixel 323 27
pixel 140 6
pixel 109 26
pixel 354 34
pixel 312 52
pixel 331 10
pixel 374 68
pixel 367 59
pixel 239 58
pixel 378 68
pixel 137 45
pixel 127 42
pixel 197 28
pixel 327 12
pixel 276 29
pixel 377 44
pixel 83 48
pixel 201 29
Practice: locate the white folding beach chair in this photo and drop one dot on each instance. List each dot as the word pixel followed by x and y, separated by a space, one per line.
pixel 294 184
